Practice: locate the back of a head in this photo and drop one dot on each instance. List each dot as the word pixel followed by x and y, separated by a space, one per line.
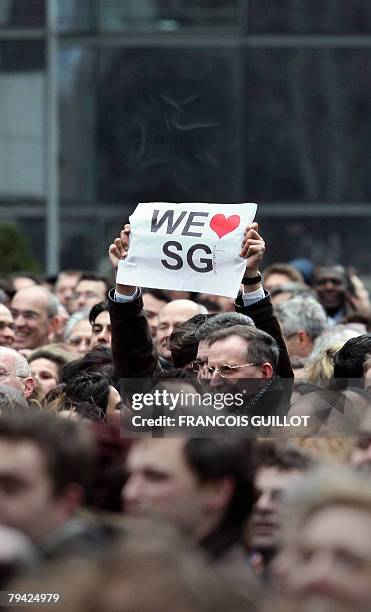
pixel 302 313
pixel 222 321
pixel 150 568
pixel 349 360
pixel 216 458
pixel 183 342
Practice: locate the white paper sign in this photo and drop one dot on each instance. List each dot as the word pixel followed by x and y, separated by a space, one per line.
pixel 188 247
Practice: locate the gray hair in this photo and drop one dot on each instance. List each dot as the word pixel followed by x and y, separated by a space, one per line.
pixel 52 306
pixel 222 321
pixel 302 312
pixel 78 316
pixel 21 367
pixel 260 346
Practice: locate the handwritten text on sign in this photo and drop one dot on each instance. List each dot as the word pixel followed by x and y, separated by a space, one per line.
pixel 190 247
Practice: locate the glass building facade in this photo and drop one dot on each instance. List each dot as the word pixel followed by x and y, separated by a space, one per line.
pixel 106 103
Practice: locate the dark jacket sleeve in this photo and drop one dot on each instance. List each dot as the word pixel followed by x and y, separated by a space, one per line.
pixel 134 354
pixel 262 314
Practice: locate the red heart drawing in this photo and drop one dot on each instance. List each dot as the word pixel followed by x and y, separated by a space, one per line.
pixel 222 225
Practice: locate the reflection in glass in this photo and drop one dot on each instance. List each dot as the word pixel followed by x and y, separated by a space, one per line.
pixel 22 13
pixel 22 83
pixel 307 125
pixel 301 16
pixel 146 15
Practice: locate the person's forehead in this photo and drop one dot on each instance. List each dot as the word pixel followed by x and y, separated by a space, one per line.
pixel 178 311
pixel 340 523
pixel 5 314
pixel 91 285
pixel 67 280
pixel 42 363
pixel 30 299
pixel 232 347
pixel 81 327
pixel 7 360
pixel 271 477
pixel 331 272
pixel 165 455
pixel 21 455
pixel 103 318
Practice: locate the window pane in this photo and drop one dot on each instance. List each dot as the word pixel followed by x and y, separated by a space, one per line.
pixel 324 241
pixel 307 125
pixel 146 15
pixel 22 13
pixel 22 81
pixel 321 16
pixel 166 14
pixel 145 124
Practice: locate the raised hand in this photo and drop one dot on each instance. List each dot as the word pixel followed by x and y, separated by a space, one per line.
pixel 120 246
pixel 252 249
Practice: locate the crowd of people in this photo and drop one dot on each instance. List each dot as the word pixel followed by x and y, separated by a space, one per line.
pixel 101 515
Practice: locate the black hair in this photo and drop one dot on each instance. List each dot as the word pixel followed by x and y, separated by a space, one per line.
pixel 224 457
pixel 349 360
pixel 96 310
pixel 66 445
pixel 98 360
pixel 285 459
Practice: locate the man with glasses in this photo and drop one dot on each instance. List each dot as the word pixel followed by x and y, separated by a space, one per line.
pixel 244 359
pixel 15 371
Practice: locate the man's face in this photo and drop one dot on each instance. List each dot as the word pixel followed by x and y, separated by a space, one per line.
pixel 172 315
pixel 27 502
pixel 88 293
pixel 65 288
pixel 224 355
pixel 152 308
pixel 331 558
pixel 161 483
pixel 80 337
pixel 330 284
pixel 6 327
pixel 8 376
pixel 32 324
pixel 270 485
pixel 101 331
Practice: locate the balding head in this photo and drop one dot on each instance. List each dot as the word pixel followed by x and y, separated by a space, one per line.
pixel 35 312
pixel 172 315
pixel 15 371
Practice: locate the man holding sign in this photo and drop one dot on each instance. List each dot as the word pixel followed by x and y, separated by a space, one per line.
pixel 187 247
pixel 133 351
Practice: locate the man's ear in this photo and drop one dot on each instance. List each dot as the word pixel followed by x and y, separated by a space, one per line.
pixel 303 338
pixel 267 370
pixel 54 325
pixel 28 387
pixel 219 493
pixel 71 499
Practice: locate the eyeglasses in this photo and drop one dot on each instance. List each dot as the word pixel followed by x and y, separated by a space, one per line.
pixel 4 373
pixel 227 370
